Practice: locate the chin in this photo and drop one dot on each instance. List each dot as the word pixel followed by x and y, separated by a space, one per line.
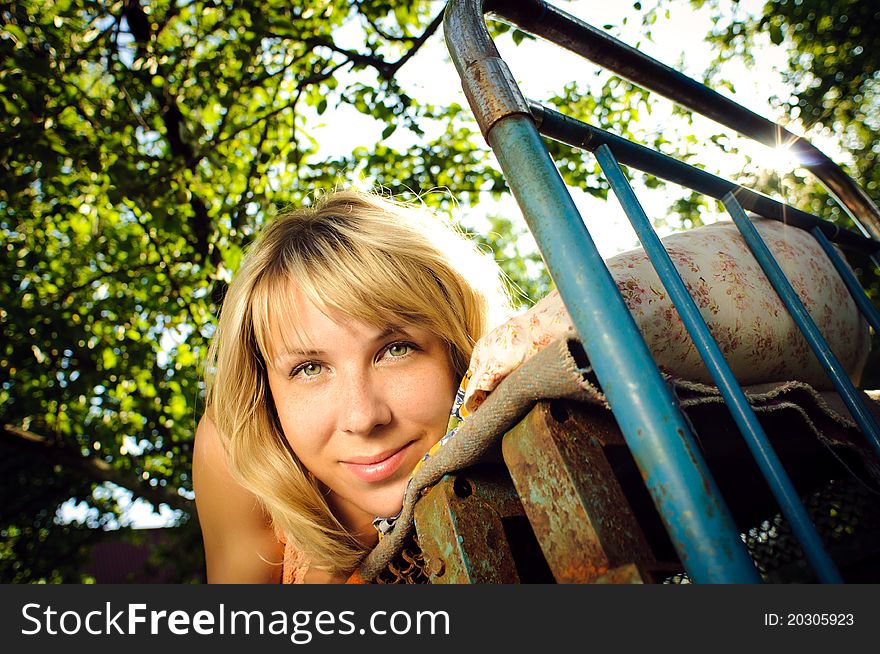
pixel 386 503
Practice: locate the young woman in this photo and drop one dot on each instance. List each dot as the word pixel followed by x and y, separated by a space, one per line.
pixel 343 338
pixel 339 349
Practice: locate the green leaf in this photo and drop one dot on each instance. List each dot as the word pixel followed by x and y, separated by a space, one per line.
pixel 519 36
pixel 776 34
pixel 108 358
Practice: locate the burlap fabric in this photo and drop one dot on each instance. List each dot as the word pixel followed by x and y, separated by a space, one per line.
pixel 553 373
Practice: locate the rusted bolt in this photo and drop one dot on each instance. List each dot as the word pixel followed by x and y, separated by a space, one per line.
pixel 559 412
pixel 462 487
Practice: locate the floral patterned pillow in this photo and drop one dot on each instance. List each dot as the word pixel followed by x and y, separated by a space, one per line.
pixel 745 315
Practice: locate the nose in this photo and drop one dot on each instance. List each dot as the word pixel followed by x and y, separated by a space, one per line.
pixel 363 406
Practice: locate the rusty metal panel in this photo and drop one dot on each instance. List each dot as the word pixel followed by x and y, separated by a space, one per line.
pixel 641 573
pixel 570 493
pixel 460 530
pixel 628 573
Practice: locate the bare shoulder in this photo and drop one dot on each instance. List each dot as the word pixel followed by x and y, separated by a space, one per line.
pixel 240 544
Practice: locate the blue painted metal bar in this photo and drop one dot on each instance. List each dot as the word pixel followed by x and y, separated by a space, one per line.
pixel 804 321
pixel 735 399
pixel 699 523
pixel 542 19
pixel 869 311
pixel 584 136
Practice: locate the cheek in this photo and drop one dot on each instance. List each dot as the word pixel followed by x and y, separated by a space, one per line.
pixel 427 396
pixel 304 425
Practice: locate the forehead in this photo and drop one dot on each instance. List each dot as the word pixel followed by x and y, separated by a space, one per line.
pixel 292 322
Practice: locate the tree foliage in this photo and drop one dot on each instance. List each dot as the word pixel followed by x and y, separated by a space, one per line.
pixel 831 90
pixel 144 143
pixel 832 82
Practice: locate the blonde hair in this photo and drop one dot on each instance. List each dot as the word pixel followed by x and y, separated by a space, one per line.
pixel 368 258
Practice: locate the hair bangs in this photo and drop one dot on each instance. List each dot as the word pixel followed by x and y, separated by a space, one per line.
pixel 365 285
pixel 275 318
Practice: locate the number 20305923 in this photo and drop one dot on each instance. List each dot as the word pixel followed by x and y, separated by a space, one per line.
pixel 808 619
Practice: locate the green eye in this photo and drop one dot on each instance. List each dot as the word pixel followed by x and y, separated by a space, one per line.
pixel 307 369
pixel 398 349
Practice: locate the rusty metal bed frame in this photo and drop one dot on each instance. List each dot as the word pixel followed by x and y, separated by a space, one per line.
pixel 586 496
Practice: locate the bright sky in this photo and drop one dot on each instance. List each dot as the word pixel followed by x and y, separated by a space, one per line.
pixel 542 71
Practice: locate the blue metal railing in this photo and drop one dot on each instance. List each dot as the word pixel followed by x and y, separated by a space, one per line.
pixel 687 498
pixel 805 322
pixel 733 395
pixel 700 525
pixel 551 23
pixel 869 311
pixel 575 133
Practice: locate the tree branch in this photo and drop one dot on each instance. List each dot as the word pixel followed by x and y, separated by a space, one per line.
pixel 313 79
pixel 385 69
pixel 373 61
pixel 175 129
pixel 381 32
pixel 94 467
pixel 169 272
pixel 236 216
pixel 434 25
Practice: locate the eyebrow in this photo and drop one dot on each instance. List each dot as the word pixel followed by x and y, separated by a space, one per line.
pixel 385 333
pixel 392 329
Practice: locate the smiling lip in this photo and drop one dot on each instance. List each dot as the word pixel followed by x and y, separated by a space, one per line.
pixel 379 467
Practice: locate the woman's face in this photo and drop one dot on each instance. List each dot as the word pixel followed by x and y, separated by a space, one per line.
pixel 360 405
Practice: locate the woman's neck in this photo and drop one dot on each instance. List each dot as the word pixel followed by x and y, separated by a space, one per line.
pixel 356 521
